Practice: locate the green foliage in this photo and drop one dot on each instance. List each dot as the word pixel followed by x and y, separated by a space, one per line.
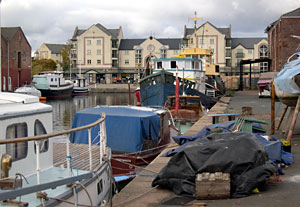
pixel 65 53
pixel 40 65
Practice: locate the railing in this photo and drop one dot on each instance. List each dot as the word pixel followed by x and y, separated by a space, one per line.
pixel 38 139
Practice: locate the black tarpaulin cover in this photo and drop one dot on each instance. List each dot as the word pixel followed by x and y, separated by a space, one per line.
pixel 239 154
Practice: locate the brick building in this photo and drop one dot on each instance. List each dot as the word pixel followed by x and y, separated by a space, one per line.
pixel 16 58
pixel 281 38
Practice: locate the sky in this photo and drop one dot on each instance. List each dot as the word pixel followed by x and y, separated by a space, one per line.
pixel 54 21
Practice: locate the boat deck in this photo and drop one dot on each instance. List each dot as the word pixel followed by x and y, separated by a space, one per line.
pixel 139 192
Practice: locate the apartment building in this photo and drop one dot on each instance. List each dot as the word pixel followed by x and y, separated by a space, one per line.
pixel 283 38
pixel 51 51
pixel 95 52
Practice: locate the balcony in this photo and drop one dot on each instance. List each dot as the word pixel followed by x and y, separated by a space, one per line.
pixel 240 55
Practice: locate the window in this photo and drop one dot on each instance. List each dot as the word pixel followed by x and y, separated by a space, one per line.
pixel 126 52
pixel 201 42
pixel 39 129
pixel 163 53
pixel 98 42
pixel 176 52
pixel 159 65
pixel 138 56
pixel 19 60
pixel 126 61
pixel 173 64
pixel 89 62
pixel 263 67
pixel 228 53
pixel 249 51
pixel 212 51
pixel 89 42
pixel 212 41
pixel 114 54
pixel 239 50
pixel 263 51
pixel 89 52
pixel 212 61
pixel 228 63
pixel 98 52
pixel 98 62
pixel 17 150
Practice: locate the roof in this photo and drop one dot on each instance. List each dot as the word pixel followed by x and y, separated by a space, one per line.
pixel 9 32
pixel 111 32
pixel 223 30
pixel 294 13
pixel 55 48
pixel 247 43
pixel 128 44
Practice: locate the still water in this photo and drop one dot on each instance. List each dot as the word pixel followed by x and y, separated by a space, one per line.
pixel 64 109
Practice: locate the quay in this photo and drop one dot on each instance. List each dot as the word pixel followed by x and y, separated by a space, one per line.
pixel 113 88
pixel 140 193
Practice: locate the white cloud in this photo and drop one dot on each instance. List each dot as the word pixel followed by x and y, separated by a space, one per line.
pixel 54 21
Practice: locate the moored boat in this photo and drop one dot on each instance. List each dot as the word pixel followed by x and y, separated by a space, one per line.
pixel 29 90
pixel 287 83
pixel 52 84
pixel 136 135
pixel 29 176
pixel 81 86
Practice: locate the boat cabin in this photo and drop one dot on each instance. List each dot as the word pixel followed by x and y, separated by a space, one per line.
pixel 49 79
pixel 180 63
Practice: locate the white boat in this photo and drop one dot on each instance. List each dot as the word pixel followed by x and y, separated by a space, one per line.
pixel 81 86
pixel 287 82
pixel 188 68
pixel 52 84
pixel 28 174
pixel 29 90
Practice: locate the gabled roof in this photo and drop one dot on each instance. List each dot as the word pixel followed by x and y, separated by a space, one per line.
pixel 55 48
pixel 294 13
pixel 247 43
pixel 9 32
pixel 111 32
pixel 128 44
pixel 225 30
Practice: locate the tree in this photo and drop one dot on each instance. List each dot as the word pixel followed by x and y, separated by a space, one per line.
pixel 65 53
pixel 40 65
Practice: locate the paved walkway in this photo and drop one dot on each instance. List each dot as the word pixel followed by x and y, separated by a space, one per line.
pixel 140 193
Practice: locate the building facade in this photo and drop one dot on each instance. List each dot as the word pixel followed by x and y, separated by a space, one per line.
pixel 103 54
pixel 51 51
pixel 283 38
pixel 15 60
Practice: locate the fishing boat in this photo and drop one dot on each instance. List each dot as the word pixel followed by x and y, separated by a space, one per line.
pixel 136 135
pixel 287 82
pixel 189 111
pixel 28 175
pixel 155 88
pixel 81 86
pixel 188 68
pixel 52 84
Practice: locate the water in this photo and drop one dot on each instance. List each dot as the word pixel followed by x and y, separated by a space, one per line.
pixel 64 109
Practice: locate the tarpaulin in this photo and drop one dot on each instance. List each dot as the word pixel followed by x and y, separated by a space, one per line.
pixel 239 154
pixel 126 127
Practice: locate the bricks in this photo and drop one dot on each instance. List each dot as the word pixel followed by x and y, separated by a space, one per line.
pixel 212 185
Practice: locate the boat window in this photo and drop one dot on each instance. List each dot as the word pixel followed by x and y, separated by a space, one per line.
pixel 39 129
pixel 17 150
pixel 159 65
pixel 196 65
pixel 51 79
pixel 193 64
pixel 173 64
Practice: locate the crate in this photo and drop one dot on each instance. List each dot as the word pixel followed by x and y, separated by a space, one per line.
pixel 212 185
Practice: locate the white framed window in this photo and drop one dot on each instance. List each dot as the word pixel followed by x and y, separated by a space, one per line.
pixel 201 41
pixel 212 41
pixel 126 62
pixel 163 53
pixel 212 61
pixel 138 56
pixel 18 150
pixel 89 62
pixel 175 52
pixel 126 52
pixel 98 42
pixel 263 51
pixel 212 51
pixel 98 62
pixel 98 52
pixel 89 52
pixel 249 51
pixel 88 42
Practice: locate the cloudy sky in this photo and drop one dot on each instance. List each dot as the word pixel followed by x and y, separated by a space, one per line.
pixel 54 21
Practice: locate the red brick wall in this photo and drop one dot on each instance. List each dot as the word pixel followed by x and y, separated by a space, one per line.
pixel 19 69
pixel 281 44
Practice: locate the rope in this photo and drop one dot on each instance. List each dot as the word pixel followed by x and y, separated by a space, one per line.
pixel 134 165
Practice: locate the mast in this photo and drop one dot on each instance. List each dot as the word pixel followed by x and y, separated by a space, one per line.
pixel 195 18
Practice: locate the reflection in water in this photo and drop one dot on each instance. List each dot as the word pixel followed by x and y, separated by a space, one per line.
pixel 64 109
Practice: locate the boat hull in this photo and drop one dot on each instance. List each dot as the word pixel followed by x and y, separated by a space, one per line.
pixel 62 92
pixel 286 98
